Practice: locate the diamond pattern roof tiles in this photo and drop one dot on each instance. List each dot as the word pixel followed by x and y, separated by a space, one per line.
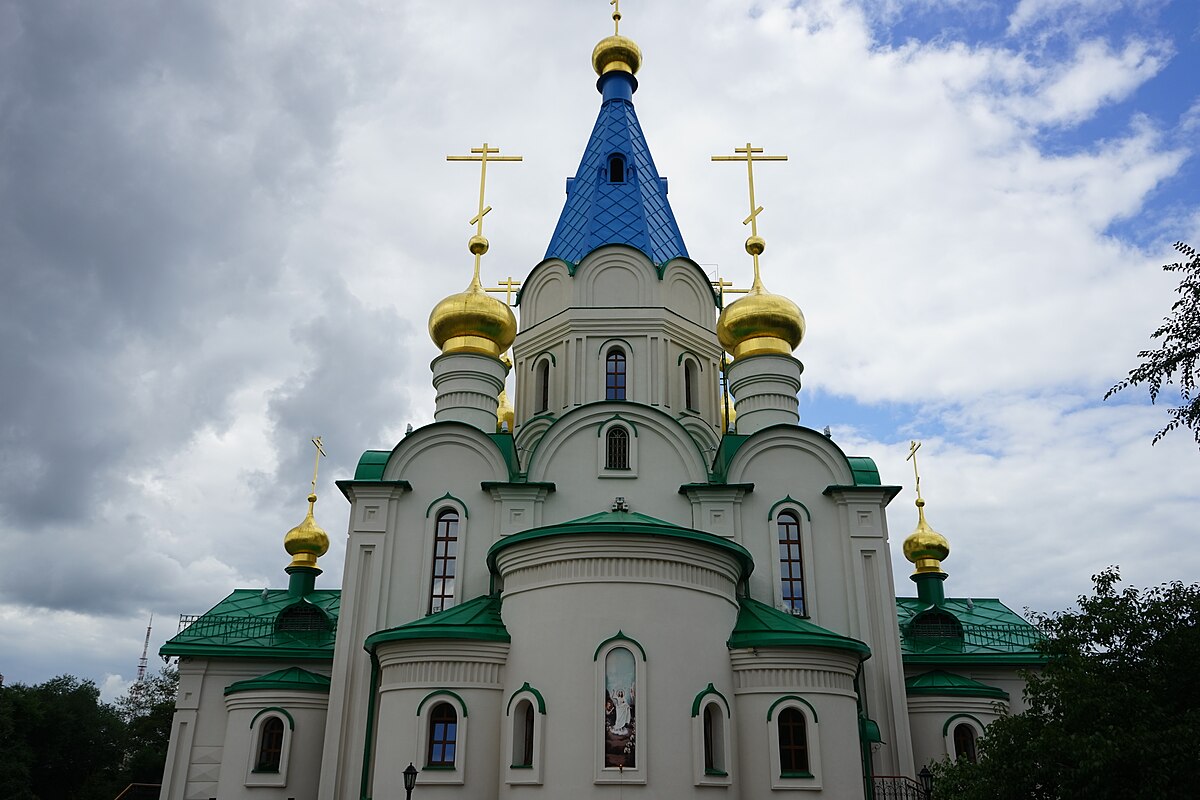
pixel 634 211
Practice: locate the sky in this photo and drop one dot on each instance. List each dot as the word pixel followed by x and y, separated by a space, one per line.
pixel 223 225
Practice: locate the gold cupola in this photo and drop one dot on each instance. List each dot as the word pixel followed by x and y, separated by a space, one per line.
pixel 925 547
pixel 760 322
pixel 308 541
pixel 505 413
pixel 473 321
pixel 616 53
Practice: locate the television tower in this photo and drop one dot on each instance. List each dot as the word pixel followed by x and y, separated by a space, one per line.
pixel 141 671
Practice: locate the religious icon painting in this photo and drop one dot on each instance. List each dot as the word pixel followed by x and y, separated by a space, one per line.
pixel 620 709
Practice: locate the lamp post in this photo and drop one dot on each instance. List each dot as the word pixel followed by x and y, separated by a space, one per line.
pixel 410 780
pixel 926 782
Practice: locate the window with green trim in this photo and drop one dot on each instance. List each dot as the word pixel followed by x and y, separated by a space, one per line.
pixel 791 564
pixel 543 386
pixel 270 745
pixel 523 721
pixel 793 742
pixel 445 555
pixel 616 450
pixel 714 740
pixel 964 742
pixel 443 736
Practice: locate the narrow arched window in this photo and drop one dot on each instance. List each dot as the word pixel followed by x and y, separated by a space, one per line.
pixel 689 385
pixel 443 736
pixel 523 735
pixel 445 553
pixel 964 742
pixel 616 451
pixel 270 745
pixel 714 740
pixel 793 743
pixel 616 169
pixel 614 375
pixel 543 386
pixel 791 564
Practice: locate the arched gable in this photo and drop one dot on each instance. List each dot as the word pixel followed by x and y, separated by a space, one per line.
pixel 546 292
pixel 654 429
pixel 616 276
pixel 451 443
pixel 688 293
pixel 833 466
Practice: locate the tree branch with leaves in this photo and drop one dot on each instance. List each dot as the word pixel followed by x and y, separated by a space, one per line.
pixel 1175 360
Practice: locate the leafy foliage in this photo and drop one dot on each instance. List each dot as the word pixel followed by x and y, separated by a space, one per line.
pixel 1114 713
pixel 59 740
pixel 1176 358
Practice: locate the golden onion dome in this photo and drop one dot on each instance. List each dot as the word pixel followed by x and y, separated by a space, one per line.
pixel 308 541
pixel 472 322
pixel 504 412
pixel 760 323
pixel 728 419
pixel 616 53
pixel 925 547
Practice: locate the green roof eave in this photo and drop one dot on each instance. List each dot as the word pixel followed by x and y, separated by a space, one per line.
pixel 976 659
pixel 865 471
pixel 477 620
pixel 623 522
pixel 939 683
pixel 293 679
pixel 274 653
pixel 507 447
pixel 371 465
pixel 760 625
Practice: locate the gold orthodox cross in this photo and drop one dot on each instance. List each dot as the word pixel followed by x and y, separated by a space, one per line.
pixel 317 464
pixel 484 155
pixel 508 286
pixel 913 447
pixel 725 287
pixel 616 4
pixel 750 154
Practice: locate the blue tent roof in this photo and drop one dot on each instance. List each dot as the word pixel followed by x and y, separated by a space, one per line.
pixel 600 210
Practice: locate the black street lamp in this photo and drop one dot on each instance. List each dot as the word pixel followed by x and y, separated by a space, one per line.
pixel 926 781
pixel 410 780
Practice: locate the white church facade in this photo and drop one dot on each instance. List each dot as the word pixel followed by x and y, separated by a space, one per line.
pixel 604 589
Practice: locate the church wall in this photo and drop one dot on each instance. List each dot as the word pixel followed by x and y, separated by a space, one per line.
pixel 933 720
pixel 300 767
pixel 570 596
pixel 820 684
pixel 196 765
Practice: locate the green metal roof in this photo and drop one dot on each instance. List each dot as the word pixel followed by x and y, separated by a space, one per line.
pixel 947 684
pixel 623 522
pixel 371 464
pixel 243 625
pixel 292 679
pixel 478 619
pixel 991 633
pixel 865 471
pixel 760 625
pixel 508 448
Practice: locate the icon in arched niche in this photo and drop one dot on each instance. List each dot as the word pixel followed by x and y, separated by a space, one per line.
pixel 620 709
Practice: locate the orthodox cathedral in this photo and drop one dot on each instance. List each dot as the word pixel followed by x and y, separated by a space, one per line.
pixel 639 577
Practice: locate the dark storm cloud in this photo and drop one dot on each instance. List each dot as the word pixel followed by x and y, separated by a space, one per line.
pixel 146 178
pixel 154 162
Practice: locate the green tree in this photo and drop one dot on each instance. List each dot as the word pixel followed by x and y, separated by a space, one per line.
pixel 1114 713
pixel 57 740
pixel 147 710
pixel 1176 357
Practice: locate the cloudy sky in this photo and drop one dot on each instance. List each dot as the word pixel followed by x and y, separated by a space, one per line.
pixel 223 224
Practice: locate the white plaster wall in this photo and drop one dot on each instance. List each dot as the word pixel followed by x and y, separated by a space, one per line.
pixel 928 716
pixel 676 600
pixel 301 773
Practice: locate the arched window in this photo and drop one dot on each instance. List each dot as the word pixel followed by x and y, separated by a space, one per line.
pixel 616 168
pixel 443 736
pixel 714 740
pixel 793 743
pixel 270 745
pixel 689 385
pixel 964 742
pixel 523 735
pixel 445 551
pixel 614 375
pixel 791 564
pixel 543 386
pixel 616 451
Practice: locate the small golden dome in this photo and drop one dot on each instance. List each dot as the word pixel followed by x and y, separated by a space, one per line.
pixel 616 53
pixel 504 412
pixel 728 421
pixel 760 323
pixel 472 322
pixel 308 541
pixel 925 547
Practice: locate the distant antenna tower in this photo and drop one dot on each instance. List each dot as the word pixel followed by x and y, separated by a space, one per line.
pixel 141 674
